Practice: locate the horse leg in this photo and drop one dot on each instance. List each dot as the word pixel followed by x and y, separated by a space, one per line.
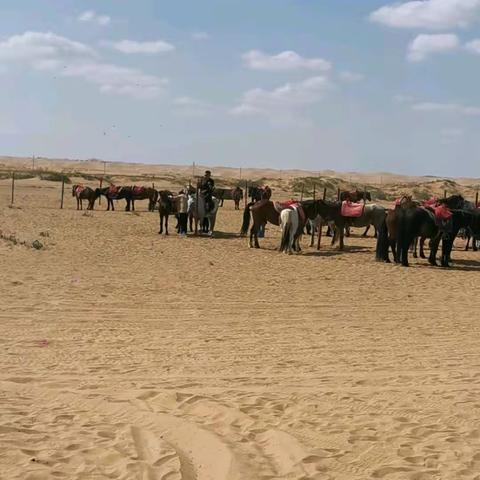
pixel 366 231
pixel 422 244
pixel 347 231
pixel 166 224
pixel 415 245
pixel 341 233
pixel 434 242
pixel 133 205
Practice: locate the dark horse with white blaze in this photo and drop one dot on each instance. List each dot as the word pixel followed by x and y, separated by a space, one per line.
pixel 84 193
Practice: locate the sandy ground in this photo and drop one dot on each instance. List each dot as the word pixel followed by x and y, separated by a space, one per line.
pixel 126 355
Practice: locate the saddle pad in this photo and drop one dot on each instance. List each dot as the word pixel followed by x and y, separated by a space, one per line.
pixel 350 209
pixel 138 190
pixel 279 206
pixel 79 189
pixel 442 212
pixel 431 202
pixel 112 189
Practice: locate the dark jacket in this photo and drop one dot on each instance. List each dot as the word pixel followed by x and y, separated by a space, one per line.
pixel 207 185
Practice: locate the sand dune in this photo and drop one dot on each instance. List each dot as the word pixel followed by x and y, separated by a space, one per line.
pixel 133 356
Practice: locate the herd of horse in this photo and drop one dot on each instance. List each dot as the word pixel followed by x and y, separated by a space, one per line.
pixel 399 229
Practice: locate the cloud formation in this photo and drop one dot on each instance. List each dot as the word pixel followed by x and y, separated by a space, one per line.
pixel 428 14
pixel 149 48
pixel 66 58
pixel 454 108
pixel 425 45
pixel 351 77
pixel 285 102
pixel 284 61
pixel 91 16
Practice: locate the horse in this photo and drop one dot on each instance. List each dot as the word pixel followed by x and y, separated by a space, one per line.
pixel 114 193
pixel 166 208
pixel 355 196
pixel 467 219
pixel 84 193
pixel 372 215
pixel 264 211
pixel 259 193
pixel 197 210
pixel 141 193
pixel 289 222
pixel 237 196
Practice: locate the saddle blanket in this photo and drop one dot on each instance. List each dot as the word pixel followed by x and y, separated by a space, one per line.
pixel 350 209
pixel 79 189
pixel 138 190
pixel 292 204
pixel 442 212
pixel 431 202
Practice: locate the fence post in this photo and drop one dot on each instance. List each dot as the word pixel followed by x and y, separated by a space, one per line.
pixel 314 191
pixel 324 193
pixel 63 191
pixel 246 193
pixel 444 194
pixel 303 188
pixel 338 194
pixel 476 200
pixel 100 197
pixel 13 187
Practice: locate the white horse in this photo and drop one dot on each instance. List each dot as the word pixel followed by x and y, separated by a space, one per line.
pixel 199 212
pixel 289 222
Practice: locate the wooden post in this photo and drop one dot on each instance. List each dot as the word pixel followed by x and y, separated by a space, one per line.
pixel 320 226
pixel 13 187
pixel 476 200
pixel 324 193
pixel 314 191
pixel 63 191
pixel 246 193
pixel 338 194
pixel 153 185
pixel 303 188
pixel 312 241
pixel 444 194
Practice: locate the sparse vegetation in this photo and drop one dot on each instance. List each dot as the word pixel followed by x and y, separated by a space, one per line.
pixel 54 177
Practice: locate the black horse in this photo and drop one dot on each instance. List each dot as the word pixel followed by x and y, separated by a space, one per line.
pixel 166 207
pixel 114 193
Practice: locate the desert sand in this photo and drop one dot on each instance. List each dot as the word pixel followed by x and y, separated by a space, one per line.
pixel 129 355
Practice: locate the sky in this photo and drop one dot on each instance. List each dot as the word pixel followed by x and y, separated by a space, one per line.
pixel 348 85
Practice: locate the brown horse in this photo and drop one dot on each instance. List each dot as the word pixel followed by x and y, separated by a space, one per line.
pixel 237 196
pixel 141 193
pixel 84 193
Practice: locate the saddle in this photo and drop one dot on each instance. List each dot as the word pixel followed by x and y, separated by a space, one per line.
pixel 351 210
pixel 113 190
pixel 79 189
pixel 293 205
pixel 440 211
pixel 138 190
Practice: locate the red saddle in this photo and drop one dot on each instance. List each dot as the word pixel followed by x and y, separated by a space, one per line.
pixel 113 190
pixel 350 209
pixel 292 204
pixel 79 189
pixel 442 212
pixel 138 190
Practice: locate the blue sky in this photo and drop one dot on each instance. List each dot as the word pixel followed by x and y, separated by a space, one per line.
pixel 357 85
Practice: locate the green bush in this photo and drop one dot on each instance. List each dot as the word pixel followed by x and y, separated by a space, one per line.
pixel 54 177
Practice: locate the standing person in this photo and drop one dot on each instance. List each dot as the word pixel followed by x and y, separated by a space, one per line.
pixel 182 212
pixel 207 185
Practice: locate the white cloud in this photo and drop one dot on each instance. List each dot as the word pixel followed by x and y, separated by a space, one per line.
pixel 473 46
pixel 284 61
pixel 131 46
pixel 454 108
pixel 191 107
pixel 65 58
pixel 200 36
pixel 425 45
pixel 284 102
pixel 429 14
pixel 351 77
pixel 452 132
pixel 92 17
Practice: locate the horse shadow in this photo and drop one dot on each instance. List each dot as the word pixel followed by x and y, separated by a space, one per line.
pixel 465 265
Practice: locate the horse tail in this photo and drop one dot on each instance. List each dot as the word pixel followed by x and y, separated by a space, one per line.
pixel 382 242
pixel 286 227
pixel 246 219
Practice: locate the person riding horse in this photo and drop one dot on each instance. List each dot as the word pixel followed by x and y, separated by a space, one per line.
pixel 207 186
